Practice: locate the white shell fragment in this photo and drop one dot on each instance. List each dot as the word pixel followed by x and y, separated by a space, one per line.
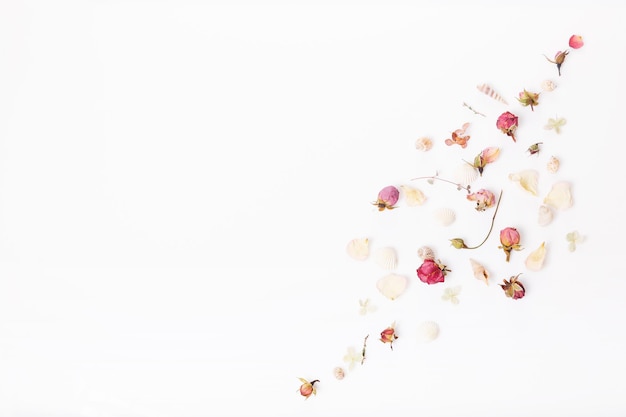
pixel 425 253
pixel 479 271
pixel 544 217
pixel 465 174
pixel 534 262
pixel 427 331
pixel 392 285
pixel 359 249
pixel 444 216
pixel 339 373
pixel 423 144
pixel 528 179
pixel 386 258
pixel 553 164
pixel 413 196
pixel 548 85
pixel 560 196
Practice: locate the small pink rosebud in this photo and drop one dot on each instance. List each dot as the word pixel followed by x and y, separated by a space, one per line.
pixel 510 239
pixel 389 335
pixel 559 58
pixel 432 272
pixel 526 98
pixel 534 148
pixel 387 197
pixel 483 198
pixel 513 288
pixel 490 154
pixel 307 388
pixel 576 41
pixel 507 123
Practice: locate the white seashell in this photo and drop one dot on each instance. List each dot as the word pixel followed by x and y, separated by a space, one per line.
pixel 548 85
pixel 553 164
pixel 386 258
pixel 339 373
pixel 444 216
pixel 358 249
pixel 413 196
pixel 528 179
pixel 479 271
pixel 544 216
pixel 427 331
pixel 425 253
pixel 392 285
pixel 465 174
pixel 423 144
pixel 534 262
pixel 560 196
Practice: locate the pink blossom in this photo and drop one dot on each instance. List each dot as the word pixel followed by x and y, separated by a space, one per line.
pixel 432 272
pixel 387 197
pixel 507 123
pixel 483 198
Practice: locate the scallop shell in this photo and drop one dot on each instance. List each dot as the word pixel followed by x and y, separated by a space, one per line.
pixel 392 285
pixel 386 258
pixel 553 164
pixel 358 249
pixel 544 217
pixel 425 253
pixel 465 174
pixel 427 331
pixel 423 144
pixel 548 85
pixel 339 372
pixel 444 216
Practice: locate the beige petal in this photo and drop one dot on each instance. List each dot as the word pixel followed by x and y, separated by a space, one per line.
pixel 358 249
pixel 534 262
pixel 392 285
pixel 560 196
pixel 413 196
pixel 527 179
pixel 479 271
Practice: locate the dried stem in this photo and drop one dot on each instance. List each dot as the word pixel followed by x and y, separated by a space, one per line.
pixel 493 219
pixel 435 177
pixel 475 111
pixel 363 351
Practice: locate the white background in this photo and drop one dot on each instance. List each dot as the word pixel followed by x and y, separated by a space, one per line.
pixel 179 180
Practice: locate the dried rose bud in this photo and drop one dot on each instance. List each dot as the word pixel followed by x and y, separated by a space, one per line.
pixel 507 123
pixel 487 156
pixel 432 272
pixel 576 41
pixel 387 197
pixel 526 98
pixel 389 335
pixel 513 288
pixel 307 388
pixel 483 198
pixel 559 58
pixel 458 243
pixel 509 238
pixel 534 148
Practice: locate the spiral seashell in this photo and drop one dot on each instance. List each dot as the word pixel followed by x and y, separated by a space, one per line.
pixel 386 258
pixel 427 331
pixel 544 217
pixel 423 144
pixel 339 373
pixel 486 89
pixel 358 249
pixel 548 85
pixel 444 216
pixel 425 253
pixel 465 174
pixel 553 164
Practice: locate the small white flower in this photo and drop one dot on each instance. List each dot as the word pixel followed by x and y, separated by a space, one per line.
pixel 573 238
pixel 352 358
pixel 555 124
pixel 450 294
pixel 366 307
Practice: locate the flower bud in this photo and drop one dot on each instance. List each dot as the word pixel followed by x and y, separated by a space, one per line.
pixel 509 238
pixel 387 197
pixel 507 123
pixel 432 272
pixel 576 41
pixel 389 335
pixel 513 288
pixel 458 243
pixel 307 388
pixel 526 98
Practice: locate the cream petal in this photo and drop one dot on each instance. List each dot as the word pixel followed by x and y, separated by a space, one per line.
pixel 528 179
pixel 560 196
pixel 358 249
pixel 544 216
pixel 534 262
pixel 392 285
pixel 413 196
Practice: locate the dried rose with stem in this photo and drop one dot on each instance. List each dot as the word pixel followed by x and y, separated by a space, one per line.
pixel 513 288
pixel 559 58
pixel 389 335
pixel 460 244
pixel 307 388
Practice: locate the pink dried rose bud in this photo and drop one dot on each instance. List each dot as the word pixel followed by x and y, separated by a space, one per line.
pixel 526 98
pixel 307 388
pixel 507 123
pixel 483 198
pixel 432 272
pixel 487 156
pixel 389 335
pixel 387 197
pixel 510 239
pixel 513 288
pixel 534 148
pixel 559 58
pixel 576 41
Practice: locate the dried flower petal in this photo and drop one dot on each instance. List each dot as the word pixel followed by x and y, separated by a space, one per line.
pixel 392 285
pixel 479 271
pixel 560 196
pixel 553 164
pixel 534 262
pixel 527 179
pixel 548 85
pixel 339 373
pixel 413 196
pixel 544 217
pixel 358 249
pixel 423 144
